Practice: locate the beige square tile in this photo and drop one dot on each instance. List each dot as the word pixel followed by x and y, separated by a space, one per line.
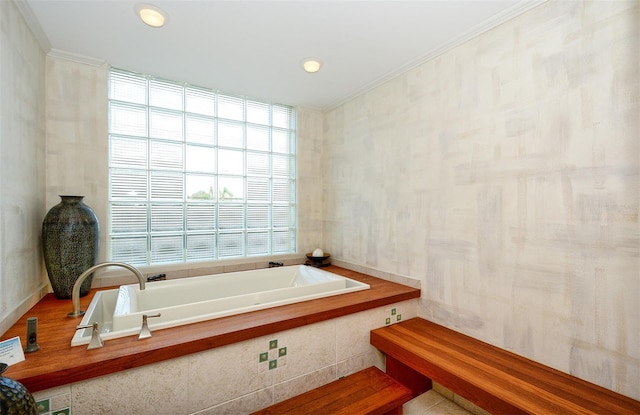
pixel 422 403
pixel 60 401
pixel 59 398
pixel 225 373
pixel 243 405
pixel 446 407
pixel 301 384
pixel 161 388
pixel 442 390
pixel 208 270
pixel 361 361
pixel 239 267
pixel 352 332
pixel 309 348
pixel 463 403
pixel 52 392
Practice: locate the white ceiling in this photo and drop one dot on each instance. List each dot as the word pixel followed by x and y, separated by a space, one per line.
pixel 255 48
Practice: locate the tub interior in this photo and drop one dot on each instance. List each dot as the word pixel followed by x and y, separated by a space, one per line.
pixel 190 300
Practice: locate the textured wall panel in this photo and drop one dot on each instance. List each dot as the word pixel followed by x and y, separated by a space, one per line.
pixel 505 174
pixel 22 181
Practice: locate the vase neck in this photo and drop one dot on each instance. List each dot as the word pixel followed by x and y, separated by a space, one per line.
pixel 71 199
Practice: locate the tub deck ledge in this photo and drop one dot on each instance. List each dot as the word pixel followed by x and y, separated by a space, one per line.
pixel 57 363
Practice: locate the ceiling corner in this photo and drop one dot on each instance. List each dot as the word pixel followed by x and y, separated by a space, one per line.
pixel 33 24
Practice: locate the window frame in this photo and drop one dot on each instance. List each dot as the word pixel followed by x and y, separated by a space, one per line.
pixel 145 203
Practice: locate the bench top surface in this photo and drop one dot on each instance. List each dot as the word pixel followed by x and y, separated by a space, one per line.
pixel 456 360
pixel 368 392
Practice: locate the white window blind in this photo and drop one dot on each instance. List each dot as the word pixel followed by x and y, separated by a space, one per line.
pixel 196 175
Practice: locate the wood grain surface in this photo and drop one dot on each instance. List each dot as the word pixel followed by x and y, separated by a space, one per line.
pixel 368 392
pixel 492 378
pixel 57 363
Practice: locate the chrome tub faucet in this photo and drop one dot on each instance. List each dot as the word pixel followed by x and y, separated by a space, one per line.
pixel 75 293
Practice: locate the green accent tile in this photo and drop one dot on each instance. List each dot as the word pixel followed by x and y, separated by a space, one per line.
pixel 393 311
pixel 264 357
pixel 42 406
pixel 282 351
pixel 273 344
pixel 399 317
pixel 65 411
pixel 273 364
pixel 388 321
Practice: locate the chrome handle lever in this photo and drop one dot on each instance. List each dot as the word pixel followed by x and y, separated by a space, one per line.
pixel 145 332
pixel 96 340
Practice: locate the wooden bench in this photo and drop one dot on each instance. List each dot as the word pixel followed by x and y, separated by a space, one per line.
pixel 369 391
pixel 496 380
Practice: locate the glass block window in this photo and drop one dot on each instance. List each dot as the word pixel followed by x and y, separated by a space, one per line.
pixel 196 175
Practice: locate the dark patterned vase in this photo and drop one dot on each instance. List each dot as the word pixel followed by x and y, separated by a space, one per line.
pixel 70 240
pixel 15 399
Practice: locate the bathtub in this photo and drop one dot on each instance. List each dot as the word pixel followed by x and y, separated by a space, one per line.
pixel 190 300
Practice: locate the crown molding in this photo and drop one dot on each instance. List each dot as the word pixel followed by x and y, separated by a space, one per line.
pixel 33 23
pixel 500 18
pixel 75 57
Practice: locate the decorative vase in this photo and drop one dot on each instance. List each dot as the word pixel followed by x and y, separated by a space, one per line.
pixel 70 240
pixel 15 399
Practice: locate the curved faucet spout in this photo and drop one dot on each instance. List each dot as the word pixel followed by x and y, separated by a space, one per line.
pixel 75 293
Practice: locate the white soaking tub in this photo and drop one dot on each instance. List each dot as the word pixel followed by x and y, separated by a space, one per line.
pixel 190 300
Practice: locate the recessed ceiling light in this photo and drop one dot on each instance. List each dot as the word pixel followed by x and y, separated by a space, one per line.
pixel 151 15
pixel 311 65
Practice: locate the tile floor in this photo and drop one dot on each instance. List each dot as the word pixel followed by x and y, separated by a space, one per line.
pixel 432 403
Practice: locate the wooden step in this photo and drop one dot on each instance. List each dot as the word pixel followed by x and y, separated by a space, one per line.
pixel 368 392
pixel 495 379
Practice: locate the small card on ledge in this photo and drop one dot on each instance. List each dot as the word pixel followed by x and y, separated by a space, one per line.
pixel 11 351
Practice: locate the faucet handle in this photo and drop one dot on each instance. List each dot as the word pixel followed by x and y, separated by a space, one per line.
pixel 96 340
pixel 145 332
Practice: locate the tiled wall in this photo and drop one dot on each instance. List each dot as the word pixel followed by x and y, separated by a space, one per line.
pixel 235 379
pixel 505 174
pixel 22 149
pixel 56 401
